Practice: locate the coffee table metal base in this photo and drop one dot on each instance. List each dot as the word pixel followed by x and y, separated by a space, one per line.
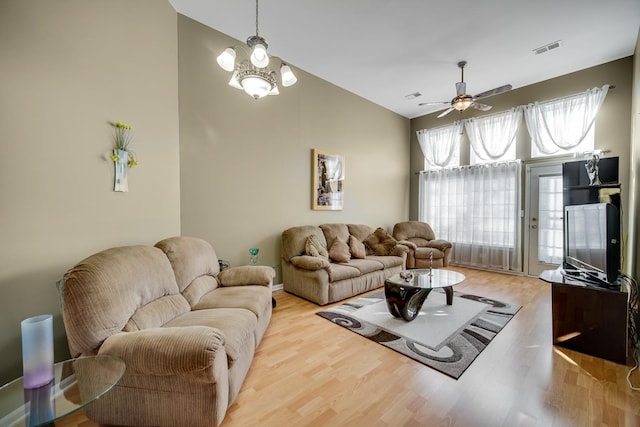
pixel 406 301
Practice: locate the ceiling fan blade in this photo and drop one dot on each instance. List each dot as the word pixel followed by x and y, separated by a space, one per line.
pixel 434 103
pixel 493 91
pixel 481 107
pixel 445 112
pixel 461 88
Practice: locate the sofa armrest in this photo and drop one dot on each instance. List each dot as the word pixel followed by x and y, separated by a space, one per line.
pixel 167 351
pixel 439 244
pixel 408 244
pixel 311 263
pixel 247 275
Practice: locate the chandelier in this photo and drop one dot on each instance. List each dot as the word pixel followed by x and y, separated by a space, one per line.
pixel 253 75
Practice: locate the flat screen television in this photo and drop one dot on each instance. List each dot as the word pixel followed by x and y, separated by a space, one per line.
pixel 592 242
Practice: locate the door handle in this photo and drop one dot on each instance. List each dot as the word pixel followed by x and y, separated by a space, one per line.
pixel 534 226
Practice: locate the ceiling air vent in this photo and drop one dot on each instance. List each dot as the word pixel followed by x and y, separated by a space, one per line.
pixel 413 95
pixel 547 47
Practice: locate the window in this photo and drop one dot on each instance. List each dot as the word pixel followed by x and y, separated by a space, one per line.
pixel 477 208
pixel 564 125
pixel 440 146
pixel 587 144
pixel 493 137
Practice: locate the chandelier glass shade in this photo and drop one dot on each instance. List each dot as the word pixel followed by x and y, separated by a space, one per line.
pixel 253 74
pixel 462 102
pixel 227 59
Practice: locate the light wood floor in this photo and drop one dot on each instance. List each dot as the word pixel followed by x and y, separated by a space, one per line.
pixel 309 372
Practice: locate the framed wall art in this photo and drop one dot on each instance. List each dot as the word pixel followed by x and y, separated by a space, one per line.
pixel 327 189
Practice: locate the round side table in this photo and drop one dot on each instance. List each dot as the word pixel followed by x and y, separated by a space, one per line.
pixel 77 383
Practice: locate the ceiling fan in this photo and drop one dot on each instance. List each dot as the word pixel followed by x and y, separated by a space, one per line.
pixel 462 101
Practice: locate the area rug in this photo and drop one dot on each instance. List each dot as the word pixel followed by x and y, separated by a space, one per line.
pixel 447 338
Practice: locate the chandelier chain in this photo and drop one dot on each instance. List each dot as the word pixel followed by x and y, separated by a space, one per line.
pixel 257 18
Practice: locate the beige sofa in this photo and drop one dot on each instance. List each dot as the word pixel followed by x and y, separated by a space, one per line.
pixel 331 262
pixel 424 249
pixel 186 331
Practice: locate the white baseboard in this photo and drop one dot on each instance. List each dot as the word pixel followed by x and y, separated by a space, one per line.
pixel 277 287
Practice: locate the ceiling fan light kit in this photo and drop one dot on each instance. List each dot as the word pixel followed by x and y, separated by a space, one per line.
pixel 462 101
pixel 253 74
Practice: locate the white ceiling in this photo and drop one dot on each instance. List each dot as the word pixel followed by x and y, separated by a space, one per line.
pixel 383 50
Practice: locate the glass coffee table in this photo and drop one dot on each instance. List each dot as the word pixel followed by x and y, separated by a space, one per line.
pixel 77 383
pixel 406 291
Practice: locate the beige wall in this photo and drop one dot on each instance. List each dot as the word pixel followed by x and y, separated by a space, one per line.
pixel 246 164
pixel 613 124
pixel 68 68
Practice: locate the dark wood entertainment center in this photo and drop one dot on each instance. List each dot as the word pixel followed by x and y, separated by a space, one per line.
pixel 576 189
pixel 588 318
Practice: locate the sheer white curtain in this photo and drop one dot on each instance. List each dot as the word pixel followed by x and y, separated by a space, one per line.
pixel 477 208
pixel 441 146
pixel 493 136
pixel 563 123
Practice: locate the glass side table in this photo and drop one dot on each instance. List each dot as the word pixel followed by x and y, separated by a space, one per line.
pixel 77 383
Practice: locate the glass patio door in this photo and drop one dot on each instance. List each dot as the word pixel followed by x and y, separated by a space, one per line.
pixel 544 218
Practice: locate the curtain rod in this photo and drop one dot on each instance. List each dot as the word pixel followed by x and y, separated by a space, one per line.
pixel 610 86
pixel 477 166
pixel 575 155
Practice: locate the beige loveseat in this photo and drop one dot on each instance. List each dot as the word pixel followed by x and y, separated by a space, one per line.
pixel 424 249
pixel 186 331
pixel 331 262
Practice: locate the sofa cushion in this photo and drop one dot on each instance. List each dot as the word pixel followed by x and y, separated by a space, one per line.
pixel 156 313
pixel 360 231
pixel 314 247
pixel 254 298
pixel 357 248
pixel 388 261
pixel 365 266
pixel 341 272
pixel 409 229
pixel 339 251
pixel 104 291
pixel 425 253
pixel 380 242
pixel 191 258
pixel 332 231
pixel 199 286
pixel 418 241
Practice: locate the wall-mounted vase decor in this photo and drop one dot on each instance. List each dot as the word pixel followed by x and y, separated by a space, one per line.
pixel 121 168
pixel 123 158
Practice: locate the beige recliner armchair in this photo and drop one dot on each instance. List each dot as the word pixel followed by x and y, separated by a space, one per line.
pixel 423 245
